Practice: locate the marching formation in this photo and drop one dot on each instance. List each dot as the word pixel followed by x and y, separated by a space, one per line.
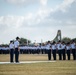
pixel 52 49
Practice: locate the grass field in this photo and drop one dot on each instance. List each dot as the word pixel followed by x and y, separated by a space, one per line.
pixel 53 68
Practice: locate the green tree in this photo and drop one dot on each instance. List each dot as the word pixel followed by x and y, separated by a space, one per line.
pixel 74 39
pixel 66 39
pixel 4 45
pixel 24 41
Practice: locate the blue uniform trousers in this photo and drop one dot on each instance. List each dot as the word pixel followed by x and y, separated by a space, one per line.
pixel 49 54
pixel 60 54
pixel 16 55
pixel 64 54
pixel 54 54
pixel 11 55
pixel 74 54
pixel 68 54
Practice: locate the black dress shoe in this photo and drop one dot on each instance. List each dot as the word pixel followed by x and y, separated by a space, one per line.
pixel 11 62
pixel 17 61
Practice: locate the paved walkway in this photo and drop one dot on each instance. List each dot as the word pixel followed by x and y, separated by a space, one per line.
pixel 27 62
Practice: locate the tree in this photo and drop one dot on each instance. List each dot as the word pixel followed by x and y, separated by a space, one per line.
pixel 5 44
pixel 74 39
pixel 24 41
pixel 66 39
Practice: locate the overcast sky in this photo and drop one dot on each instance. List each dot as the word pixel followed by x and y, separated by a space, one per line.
pixel 37 19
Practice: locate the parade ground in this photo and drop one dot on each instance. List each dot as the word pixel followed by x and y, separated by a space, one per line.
pixel 36 64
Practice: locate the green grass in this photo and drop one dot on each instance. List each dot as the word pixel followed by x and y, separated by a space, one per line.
pixel 56 68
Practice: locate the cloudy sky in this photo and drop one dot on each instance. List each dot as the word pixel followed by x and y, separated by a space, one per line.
pixel 37 19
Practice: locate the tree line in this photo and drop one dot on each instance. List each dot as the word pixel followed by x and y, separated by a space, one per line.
pixel 25 41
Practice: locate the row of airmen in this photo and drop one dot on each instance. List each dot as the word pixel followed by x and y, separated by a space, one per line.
pixel 26 50
pixel 61 48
